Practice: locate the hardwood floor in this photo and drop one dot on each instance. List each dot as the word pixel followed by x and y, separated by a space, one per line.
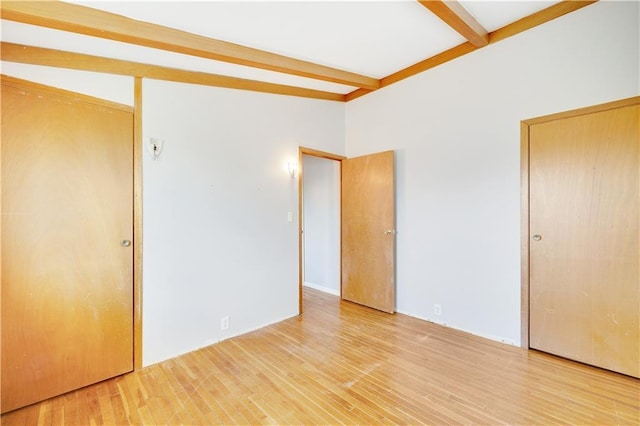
pixel 341 363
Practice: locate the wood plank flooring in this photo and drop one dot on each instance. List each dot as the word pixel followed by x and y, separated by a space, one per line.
pixel 341 363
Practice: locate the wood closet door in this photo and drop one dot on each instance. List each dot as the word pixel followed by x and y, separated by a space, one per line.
pixel 67 277
pixel 368 234
pixel 584 275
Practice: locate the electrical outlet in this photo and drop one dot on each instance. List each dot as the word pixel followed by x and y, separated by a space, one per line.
pixel 224 323
pixel 437 309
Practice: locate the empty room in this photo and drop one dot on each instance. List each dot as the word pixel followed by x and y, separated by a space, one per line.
pixel 320 212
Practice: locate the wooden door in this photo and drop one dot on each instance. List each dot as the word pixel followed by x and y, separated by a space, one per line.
pixel 368 234
pixel 584 276
pixel 67 280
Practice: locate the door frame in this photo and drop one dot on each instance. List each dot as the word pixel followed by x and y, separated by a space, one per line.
pixel 319 154
pixel 137 191
pixel 137 223
pixel 524 198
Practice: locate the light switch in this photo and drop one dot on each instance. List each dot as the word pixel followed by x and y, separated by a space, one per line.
pixel 289 216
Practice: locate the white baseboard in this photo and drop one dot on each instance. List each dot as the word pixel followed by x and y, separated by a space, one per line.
pixel 475 333
pixel 322 288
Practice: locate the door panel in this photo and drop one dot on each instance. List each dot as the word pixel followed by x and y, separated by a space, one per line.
pixel 67 283
pixel 368 236
pixel 584 274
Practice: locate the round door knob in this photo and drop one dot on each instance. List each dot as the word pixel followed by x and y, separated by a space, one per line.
pixel 537 237
pixel 125 243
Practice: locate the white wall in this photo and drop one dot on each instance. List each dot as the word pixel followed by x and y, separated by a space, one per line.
pixel 456 132
pixel 216 237
pixel 115 88
pixel 321 223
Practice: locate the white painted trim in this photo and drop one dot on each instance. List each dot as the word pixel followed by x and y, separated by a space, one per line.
pixel 322 288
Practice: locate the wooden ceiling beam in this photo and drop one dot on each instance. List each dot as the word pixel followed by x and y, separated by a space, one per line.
pixel 457 17
pixel 11 52
pixel 92 22
pixel 550 13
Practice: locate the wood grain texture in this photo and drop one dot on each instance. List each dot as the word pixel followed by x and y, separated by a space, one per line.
pixel 320 154
pixel 137 223
pixel 432 62
pixel 341 363
pixel 77 61
pixel 524 196
pixel 634 100
pixel 301 252
pixel 458 18
pixel 55 91
pixel 584 197
pixel 541 17
pixel 368 230
pixel 88 21
pixel 66 205
pixel 552 12
pixel 524 235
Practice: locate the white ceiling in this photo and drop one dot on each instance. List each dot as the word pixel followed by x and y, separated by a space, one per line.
pixel 373 38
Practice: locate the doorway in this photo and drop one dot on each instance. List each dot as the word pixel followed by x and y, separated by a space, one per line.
pixel 321 226
pixel 319 213
pixel 366 227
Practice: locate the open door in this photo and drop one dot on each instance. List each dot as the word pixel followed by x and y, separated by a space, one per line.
pixel 368 234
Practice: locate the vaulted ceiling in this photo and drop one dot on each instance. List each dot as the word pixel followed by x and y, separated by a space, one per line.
pixel 335 50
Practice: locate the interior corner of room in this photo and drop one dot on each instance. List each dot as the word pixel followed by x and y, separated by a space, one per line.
pixel 237 193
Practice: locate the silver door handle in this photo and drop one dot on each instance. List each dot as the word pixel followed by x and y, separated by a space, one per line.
pixel 389 232
pixel 537 237
pixel 125 243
